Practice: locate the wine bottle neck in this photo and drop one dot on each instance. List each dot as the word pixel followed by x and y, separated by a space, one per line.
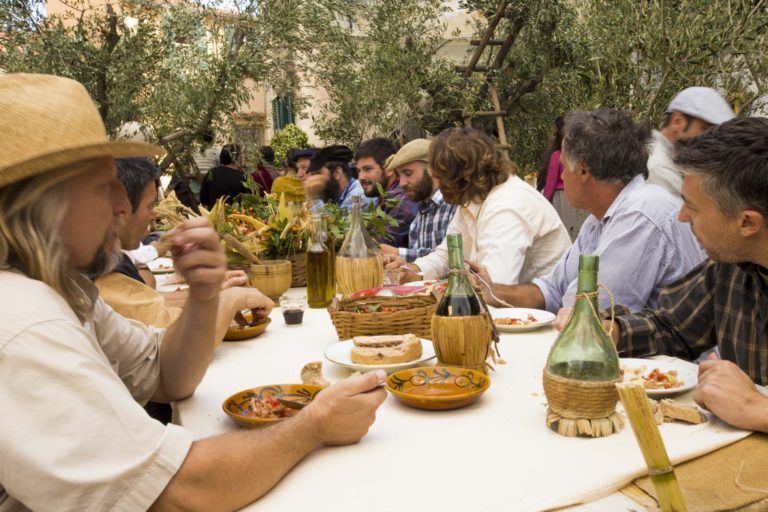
pixel 586 291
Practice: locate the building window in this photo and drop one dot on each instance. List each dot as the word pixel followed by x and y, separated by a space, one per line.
pixel 282 111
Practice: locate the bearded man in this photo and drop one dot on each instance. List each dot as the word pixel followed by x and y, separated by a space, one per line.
pixel 428 229
pixel 330 179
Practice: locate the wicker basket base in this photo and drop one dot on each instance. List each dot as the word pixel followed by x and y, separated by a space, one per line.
pixel 463 341
pixel 585 427
pixel 581 408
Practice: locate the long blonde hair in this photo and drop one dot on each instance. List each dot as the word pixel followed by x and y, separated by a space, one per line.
pixel 31 213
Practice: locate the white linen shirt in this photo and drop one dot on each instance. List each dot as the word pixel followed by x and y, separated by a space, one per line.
pixel 515 233
pixel 661 170
pixel 73 433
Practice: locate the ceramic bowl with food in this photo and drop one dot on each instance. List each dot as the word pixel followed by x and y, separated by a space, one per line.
pixel 237 332
pixel 438 387
pixel 258 407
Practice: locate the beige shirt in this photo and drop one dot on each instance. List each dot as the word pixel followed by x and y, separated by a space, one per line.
pixel 515 233
pixel 136 300
pixel 73 433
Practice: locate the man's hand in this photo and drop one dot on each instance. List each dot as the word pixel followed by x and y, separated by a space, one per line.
pixel 251 298
pixel 731 395
pixel 389 250
pixel 314 184
pixel 199 258
pixel 481 279
pixel 234 278
pixel 392 261
pixel 344 412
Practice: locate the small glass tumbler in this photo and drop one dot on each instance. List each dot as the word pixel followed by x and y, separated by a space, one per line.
pixel 293 309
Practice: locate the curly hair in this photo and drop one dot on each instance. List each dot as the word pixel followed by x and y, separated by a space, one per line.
pixel 468 165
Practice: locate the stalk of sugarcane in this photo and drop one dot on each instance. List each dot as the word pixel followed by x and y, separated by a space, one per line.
pixel 646 431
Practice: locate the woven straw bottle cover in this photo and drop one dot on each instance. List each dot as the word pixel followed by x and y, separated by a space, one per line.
pixel 583 367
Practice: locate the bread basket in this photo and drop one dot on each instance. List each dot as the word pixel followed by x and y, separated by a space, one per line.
pixel 365 316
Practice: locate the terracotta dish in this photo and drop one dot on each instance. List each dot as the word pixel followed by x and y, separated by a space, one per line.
pixel 239 406
pixel 438 387
pixel 237 333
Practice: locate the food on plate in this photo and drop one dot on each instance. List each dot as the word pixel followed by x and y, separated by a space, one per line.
pixel 377 350
pixel 530 320
pixel 656 379
pixel 244 322
pixel 669 410
pixel 267 408
pixel 312 373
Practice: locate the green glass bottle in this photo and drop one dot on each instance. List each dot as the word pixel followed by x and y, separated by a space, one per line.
pixel 583 350
pixel 459 298
pixel 320 283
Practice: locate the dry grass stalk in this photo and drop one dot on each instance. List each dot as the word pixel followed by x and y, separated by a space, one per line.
pixel 355 274
pixel 241 249
pixel 646 431
pixel 462 340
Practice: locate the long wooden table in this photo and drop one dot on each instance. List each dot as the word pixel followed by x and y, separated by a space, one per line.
pixel 494 455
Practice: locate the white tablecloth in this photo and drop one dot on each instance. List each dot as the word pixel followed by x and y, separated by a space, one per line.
pixel 494 455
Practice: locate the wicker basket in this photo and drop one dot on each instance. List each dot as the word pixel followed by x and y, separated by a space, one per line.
pixel 416 320
pixel 298 269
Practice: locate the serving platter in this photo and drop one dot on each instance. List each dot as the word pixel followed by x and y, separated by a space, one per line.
pixel 341 354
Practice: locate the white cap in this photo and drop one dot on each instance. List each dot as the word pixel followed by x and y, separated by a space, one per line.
pixel 703 103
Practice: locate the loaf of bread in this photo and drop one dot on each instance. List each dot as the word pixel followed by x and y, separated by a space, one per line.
pixel 377 350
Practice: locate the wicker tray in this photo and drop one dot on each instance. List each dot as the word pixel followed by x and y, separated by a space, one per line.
pixel 415 320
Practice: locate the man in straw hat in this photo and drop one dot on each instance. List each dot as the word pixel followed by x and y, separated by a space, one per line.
pixel 428 228
pixel 73 373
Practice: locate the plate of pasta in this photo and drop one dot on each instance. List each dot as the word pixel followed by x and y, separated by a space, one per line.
pixel 521 319
pixel 660 378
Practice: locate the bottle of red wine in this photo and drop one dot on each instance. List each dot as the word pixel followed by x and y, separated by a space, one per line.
pixel 459 298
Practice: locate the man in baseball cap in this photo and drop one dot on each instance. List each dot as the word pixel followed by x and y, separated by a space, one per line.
pixel 74 374
pixel 691 112
pixel 428 228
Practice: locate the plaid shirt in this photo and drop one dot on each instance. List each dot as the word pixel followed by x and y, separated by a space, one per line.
pixel 429 227
pixel 716 304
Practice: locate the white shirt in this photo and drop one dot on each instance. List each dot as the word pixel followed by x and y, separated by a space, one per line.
pixel 73 433
pixel 515 233
pixel 661 170
pixel 206 159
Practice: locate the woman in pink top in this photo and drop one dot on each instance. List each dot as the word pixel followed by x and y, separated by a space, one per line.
pixel 554 190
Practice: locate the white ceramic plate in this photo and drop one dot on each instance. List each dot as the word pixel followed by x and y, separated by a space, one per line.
pixel 543 318
pixel 341 353
pixel 687 372
pixel 161 266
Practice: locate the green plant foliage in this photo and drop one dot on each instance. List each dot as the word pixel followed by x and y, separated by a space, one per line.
pixel 291 136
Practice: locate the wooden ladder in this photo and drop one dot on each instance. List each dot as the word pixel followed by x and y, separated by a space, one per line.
pixel 489 70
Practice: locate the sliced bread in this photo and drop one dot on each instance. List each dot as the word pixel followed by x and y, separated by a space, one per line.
pixel 377 350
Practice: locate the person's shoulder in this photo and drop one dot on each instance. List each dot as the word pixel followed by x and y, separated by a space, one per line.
pixel 32 302
pixel 652 201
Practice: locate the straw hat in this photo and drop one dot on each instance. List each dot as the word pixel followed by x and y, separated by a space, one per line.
pixel 48 122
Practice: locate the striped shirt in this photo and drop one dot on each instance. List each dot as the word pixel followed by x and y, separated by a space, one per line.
pixel 642 248
pixel 717 304
pixel 428 228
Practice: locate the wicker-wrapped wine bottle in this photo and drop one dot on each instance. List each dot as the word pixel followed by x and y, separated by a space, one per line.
pixel 583 367
pixel 461 331
pixel 358 263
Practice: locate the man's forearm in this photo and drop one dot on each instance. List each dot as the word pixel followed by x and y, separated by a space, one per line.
pixel 230 471
pixel 518 295
pixel 186 349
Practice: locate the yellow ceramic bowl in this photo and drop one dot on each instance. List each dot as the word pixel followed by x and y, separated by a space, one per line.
pixel 244 333
pixel 238 405
pixel 437 387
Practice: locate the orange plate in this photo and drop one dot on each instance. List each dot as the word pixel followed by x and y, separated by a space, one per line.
pixel 235 405
pixel 244 333
pixel 437 387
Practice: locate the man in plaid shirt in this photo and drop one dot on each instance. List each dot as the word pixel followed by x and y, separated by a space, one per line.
pixel 428 228
pixel 724 302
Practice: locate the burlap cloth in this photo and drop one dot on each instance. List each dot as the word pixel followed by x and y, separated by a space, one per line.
pixel 730 478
